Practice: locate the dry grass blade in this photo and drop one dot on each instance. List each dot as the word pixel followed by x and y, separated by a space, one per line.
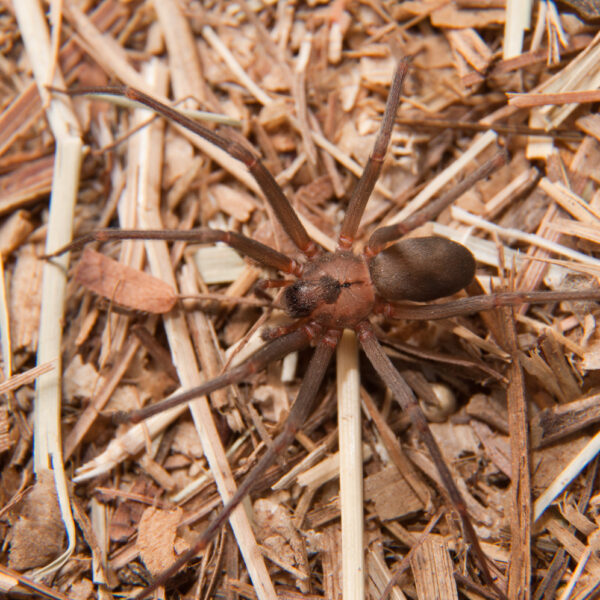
pixel 65 128
pixel 351 476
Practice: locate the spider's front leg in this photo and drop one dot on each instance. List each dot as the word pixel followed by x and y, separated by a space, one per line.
pixel 261 253
pixel 272 191
pixel 364 187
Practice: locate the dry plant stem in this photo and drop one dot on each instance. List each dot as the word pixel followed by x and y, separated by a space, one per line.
pixel 11 579
pixel 298 414
pixel 518 19
pixel 65 128
pixel 16 381
pixel 431 123
pixel 519 574
pixel 5 325
pixel 410 406
pixel 529 238
pixel 351 471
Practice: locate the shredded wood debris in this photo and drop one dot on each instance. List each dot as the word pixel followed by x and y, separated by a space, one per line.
pixel 307 84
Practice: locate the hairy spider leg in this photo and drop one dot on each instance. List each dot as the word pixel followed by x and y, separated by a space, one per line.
pixel 405 397
pixel 465 306
pixel 364 187
pixel 383 236
pixel 272 191
pixel 274 350
pixel 251 248
pixel 299 412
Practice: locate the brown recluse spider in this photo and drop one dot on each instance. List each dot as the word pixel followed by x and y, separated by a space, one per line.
pixel 334 291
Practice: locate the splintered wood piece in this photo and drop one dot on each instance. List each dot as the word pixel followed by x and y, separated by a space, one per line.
pixel 157 538
pixel 519 574
pixel 26 183
pixel 391 494
pixel 433 571
pixel 124 285
pixel 552 424
pixel 14 231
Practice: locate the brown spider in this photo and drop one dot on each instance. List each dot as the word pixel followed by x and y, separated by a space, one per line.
pixel 334 291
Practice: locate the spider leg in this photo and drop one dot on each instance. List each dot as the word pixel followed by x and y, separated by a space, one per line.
pixel 366 183
pixel 381 237
pixel 272 351
pixel 465 306
pixel 248 247
pixel 271 189
pixel 404 395
pixel 298 414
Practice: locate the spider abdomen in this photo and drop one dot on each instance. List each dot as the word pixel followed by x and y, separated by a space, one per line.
pixel 422 269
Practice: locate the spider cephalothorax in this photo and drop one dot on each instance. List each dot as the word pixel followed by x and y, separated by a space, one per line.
pixel 335 290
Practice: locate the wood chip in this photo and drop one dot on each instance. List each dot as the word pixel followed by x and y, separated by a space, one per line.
pixel 433 571
pixel 157 538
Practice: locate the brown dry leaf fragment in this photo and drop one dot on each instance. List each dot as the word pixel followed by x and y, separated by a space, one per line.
pixel 80 379
pixel 277 533
pixel 83 589
pixel 591 357
pixel 124 285
pixel 25 300
pixel 38 536
pixel 156 540
pixel 185 440
pixel 127 515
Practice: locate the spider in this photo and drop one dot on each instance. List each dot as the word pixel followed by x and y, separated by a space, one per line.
pixel 331 292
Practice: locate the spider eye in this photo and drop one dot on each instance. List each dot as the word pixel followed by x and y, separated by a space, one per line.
pixel 305 296
pixel 422 269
